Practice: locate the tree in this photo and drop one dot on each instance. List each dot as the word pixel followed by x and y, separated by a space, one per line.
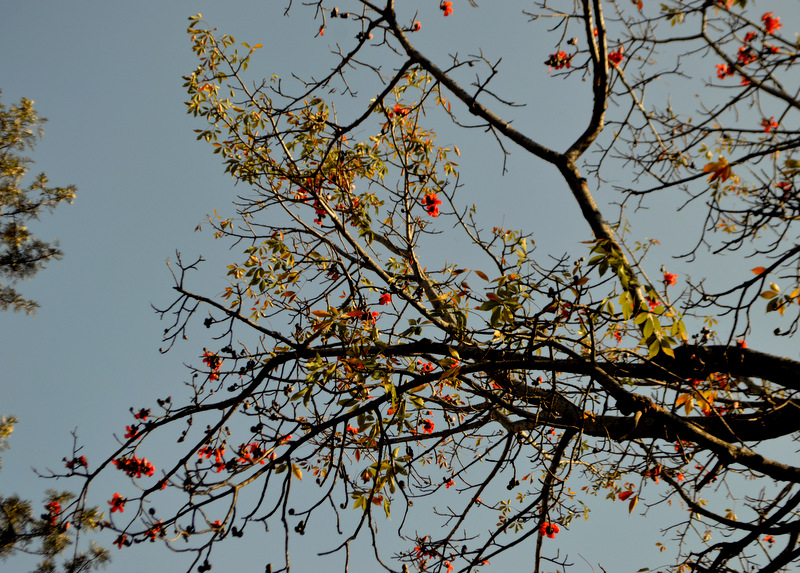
pixel 22 255
pixel 49 535
pixel 345 349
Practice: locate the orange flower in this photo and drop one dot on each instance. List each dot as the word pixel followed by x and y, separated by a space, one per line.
pixel 548 529
pixel 416 26
pixel 670 278
pixel 615 58
pixel 431 203
pixel 117 503
pixel 723 71
pixel 559 60
pixel 769 124
pixel 446 7
pixel 771 25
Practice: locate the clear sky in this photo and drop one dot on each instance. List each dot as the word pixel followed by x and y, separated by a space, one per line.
pixel 107 75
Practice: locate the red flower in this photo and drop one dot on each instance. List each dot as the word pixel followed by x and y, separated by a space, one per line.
pixel 446 7
pixel 53 510
pixel 741 343
pixel 386 298
pixel 769 539
pixel 746 55
pixel 351 430
pixel 120 541
pixel 549 529
pixel 670 278
pixel 135 467
pixel 131 432
pixel 416 26
pixel 77 463
pixel 142 414
pixel 559 60
pixel 786 187
pixel 449 566
pixel 449 483
pixel 723 71
pixel 214 362
pixel 769 124
pixel 117 503
pixel 615 58
pixel 749 36
pixel 653 303
pixel 425 367
pixel 427 426
pixel 771 25
pixel 431 203
pixel 157 530
pixel 400 110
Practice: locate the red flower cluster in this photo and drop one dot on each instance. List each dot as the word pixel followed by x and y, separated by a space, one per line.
pixel 746 55
pixel 559 60
pixel 431 203
pixel 425 367
pixel 53 510
pixel 208 451
pixel 615 58
pixel 549 529
pixel 723 71
pixel 769 124
pixel 771 25
pixel 214 362
pixel 79 462
pixel 156 530
pixel 135 467
pixel 249 453
pixel 427 426
pixel 670 279
pixel 386 298
pixel 416 26
pixel 446 7
pixel 117 503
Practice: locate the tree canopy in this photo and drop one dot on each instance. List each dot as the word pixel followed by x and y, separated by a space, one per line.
pixel 352 371
pixel 22 255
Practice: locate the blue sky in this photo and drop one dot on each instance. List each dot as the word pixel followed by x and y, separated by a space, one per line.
pixel 107 75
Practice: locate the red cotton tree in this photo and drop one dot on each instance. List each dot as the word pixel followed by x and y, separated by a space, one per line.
pixel 352 370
